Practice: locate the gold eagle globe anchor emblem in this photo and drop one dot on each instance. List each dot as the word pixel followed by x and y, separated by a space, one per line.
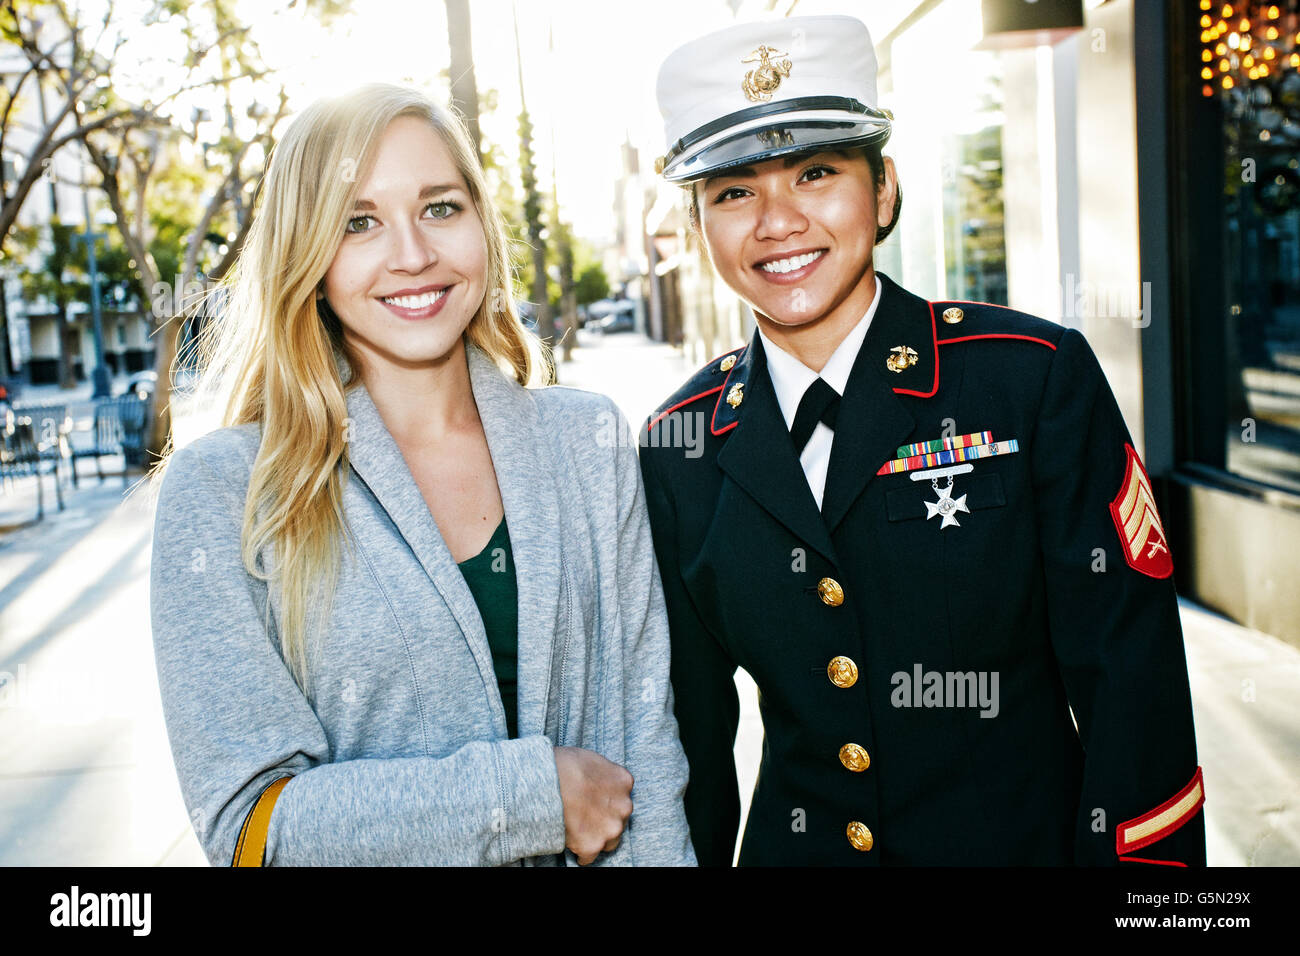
pixel 901 357
pixel 762 81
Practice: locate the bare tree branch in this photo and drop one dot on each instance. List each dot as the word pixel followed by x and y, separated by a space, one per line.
pixel 133 238
pixel 47 148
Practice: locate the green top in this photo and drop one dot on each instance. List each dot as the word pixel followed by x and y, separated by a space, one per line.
pixel 490 575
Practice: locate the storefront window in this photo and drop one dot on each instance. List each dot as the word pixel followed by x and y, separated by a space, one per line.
pixel 976 252
pixel 948 144
pixel 1261 270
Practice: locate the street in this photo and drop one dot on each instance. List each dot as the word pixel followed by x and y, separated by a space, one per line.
pixel 86 777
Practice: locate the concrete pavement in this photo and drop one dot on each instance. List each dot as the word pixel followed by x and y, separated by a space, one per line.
pixel 86 777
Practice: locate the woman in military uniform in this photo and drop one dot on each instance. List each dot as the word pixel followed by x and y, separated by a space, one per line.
pixel 921 527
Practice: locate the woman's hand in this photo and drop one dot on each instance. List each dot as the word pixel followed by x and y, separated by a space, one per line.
pixel 597 797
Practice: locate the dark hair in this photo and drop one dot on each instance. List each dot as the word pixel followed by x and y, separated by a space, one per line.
pixel 874 160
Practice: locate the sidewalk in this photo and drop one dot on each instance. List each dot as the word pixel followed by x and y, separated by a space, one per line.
pixel 1246 704
pixel 636 372
pixel 86 776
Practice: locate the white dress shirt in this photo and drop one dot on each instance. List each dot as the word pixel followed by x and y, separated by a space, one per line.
pixel 791 378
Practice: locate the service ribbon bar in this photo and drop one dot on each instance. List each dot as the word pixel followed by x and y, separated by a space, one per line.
pixel 949 457
pixel 943 444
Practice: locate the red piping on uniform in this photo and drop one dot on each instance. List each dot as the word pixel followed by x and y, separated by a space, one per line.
pixel 934 337
pixel 1122 846
pixel 680 404
pixel 999 335
pixel 1138 859
pixel 655 420
pixel 714 419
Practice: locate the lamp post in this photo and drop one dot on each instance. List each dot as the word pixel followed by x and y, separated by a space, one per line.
pixel 101 385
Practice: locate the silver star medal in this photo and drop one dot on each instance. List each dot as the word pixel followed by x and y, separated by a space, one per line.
pixel 946 506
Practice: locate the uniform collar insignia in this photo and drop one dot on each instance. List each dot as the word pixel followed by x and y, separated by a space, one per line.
pixel 725 414
pixel 903 341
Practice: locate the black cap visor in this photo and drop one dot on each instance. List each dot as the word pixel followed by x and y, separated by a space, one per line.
pixel 778 133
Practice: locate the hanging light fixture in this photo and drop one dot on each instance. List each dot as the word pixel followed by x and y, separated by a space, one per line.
pixel 1248 46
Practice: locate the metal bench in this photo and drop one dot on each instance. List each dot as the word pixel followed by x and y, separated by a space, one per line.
pixel 23 454
pixel 134 415
pixel 52 425
pixel 120 425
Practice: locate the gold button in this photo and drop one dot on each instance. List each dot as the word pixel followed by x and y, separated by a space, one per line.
pixel 659 164
pixel 953 316
pixel 860 836
pixel 736 395
pixel 854 758
pixel 727 362
pixel 842 671
pixel 830 592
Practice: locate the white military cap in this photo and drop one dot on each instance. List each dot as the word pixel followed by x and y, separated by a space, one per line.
pixel 758 90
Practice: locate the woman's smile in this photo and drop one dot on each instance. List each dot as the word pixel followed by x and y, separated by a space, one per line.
pixel 789 268
pixel 422 303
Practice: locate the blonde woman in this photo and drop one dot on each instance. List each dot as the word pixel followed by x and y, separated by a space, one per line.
pixel 422 593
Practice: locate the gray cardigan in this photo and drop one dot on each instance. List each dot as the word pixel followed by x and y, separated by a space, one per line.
pixel 399 752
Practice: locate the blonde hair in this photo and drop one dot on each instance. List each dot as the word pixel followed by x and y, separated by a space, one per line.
pixel 270 353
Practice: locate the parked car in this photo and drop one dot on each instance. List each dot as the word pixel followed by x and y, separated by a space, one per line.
pixel 620 318
pixel 143 384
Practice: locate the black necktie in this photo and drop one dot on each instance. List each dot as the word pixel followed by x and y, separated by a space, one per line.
pixel 820 403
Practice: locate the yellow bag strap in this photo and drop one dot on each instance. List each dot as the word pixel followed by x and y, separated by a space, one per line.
pixel 252 836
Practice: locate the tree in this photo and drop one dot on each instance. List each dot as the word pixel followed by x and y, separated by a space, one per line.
pixel 464 87
pixel 60 280
pixel 71 62
pixel 592 284
pixel 566 304
pixel 63 277
pixel 225 200
pixel 133 145
pixel 176 251
pixel 533 209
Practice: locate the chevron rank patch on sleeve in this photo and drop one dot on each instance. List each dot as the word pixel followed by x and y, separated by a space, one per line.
pixel 1138 523
pixel 1157 824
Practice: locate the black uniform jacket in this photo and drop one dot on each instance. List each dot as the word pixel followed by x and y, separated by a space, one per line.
pixel 920 685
